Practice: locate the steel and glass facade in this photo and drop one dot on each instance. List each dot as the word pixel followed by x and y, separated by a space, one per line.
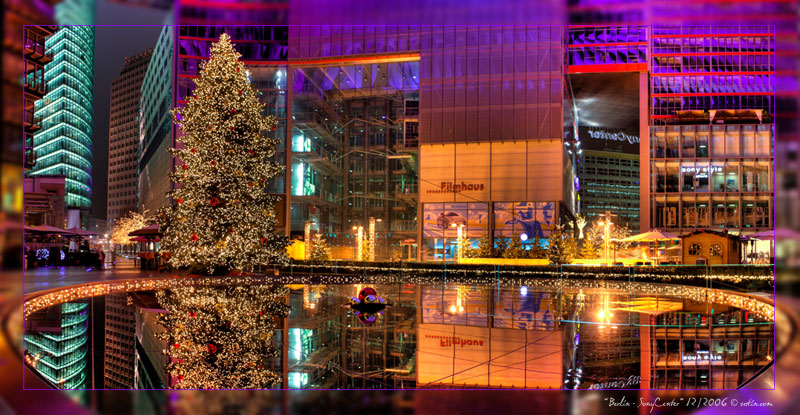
pixel 155 126
pixel 712 91
pixel 61 356
pixel 63 145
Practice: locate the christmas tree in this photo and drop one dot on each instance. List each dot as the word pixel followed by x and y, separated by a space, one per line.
pixel 562 248
pixel 222 216
pixel 318 249
pixel 515 248
pixel 221 337
pixel 589 248
pixel 484 249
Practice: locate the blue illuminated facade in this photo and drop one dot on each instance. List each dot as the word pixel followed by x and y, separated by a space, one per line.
pixel 63 145
pixel 61 357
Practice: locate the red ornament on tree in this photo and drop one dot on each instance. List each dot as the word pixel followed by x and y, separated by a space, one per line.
pixel 274 127
pixel 177 345
pixel 232 128
pixel 185 167
pixel 261 313
pixel 213 201
pixel 251 152
pixel 233 111
pixel 180 201
pixel 193 314
pixel 212 348
pixel 194 237
pixel 263 240
pixel 230 230
pixel 238 69
pixel 213 162
pixel 192 150
pixel 240 92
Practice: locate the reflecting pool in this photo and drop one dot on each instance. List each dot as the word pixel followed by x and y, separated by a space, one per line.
pixel 252 333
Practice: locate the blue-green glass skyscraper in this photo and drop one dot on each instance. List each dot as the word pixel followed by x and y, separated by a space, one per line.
pixel 63 146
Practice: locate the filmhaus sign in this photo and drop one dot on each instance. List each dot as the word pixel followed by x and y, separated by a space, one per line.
pixel 450 187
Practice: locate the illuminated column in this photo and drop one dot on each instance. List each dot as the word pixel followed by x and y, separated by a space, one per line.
pixel 307 239
pixel 371 239
pixel 359 242
pixel 606 224
pixel 460 243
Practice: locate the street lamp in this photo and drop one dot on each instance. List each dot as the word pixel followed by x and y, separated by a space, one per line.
pixel 606 224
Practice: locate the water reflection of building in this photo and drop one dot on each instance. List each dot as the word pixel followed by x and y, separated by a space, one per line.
pixel 486 336
pixel 329 347
pixel 58 349
pixel 698 348
pixel 120 343
pixel 151 362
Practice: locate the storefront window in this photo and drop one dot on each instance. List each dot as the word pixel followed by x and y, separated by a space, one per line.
pixel 659 144
pixel 719 219
pixel 763 184
pixel 717 142
pixel 732 141
pixel 748 177
pixel 661 178
pixel 749 209
pixel 661 213
pixel 732 177
pixel 673 144
pixel 702 214
pixel 688 144
pixel 702 144
pixel 763 142
pixel 689 172
pixel 672 214
pixel 748 141
pixel 689 214
pixel 701 177
pixel 673 177
pixel 762 213
pixel 717 177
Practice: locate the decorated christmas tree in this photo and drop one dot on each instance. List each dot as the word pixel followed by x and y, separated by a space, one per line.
pixel 222 216
pixel 562 248
pixel 318 249
pixel 484 249
pixel 589 250
pixel 515 248
pixel 221 337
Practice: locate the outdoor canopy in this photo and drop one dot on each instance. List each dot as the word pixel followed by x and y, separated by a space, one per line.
pixel 652 235
pixel 47 229
pixel 151 231
pixel 775 234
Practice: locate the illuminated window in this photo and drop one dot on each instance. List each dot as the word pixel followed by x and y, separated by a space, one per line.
pixel 715 250
pixel 695 249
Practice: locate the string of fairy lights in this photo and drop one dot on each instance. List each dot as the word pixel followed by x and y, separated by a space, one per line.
pixel 757 305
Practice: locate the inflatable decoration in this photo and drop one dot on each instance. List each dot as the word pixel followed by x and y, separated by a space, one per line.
pixel 368 305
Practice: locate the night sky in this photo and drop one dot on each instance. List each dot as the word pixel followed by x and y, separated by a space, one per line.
pixel 112 45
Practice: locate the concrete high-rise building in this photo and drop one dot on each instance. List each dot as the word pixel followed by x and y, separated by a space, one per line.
pixel 155 125
pixel 119 360
pixel 123 136
pixel 63 145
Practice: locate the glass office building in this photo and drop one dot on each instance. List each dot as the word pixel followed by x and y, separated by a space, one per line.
pixel 155 126
pixel 712 127
pixel 63 145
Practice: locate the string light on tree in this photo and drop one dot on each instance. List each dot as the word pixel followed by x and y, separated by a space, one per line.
pixel 224 217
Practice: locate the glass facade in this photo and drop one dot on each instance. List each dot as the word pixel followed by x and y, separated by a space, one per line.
pixel 61 356
pixel 721 351
pixel 63 145
pixel 155 126
pixel 717 176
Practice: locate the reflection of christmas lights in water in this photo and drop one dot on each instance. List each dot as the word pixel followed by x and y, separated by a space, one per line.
pixel 42 254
